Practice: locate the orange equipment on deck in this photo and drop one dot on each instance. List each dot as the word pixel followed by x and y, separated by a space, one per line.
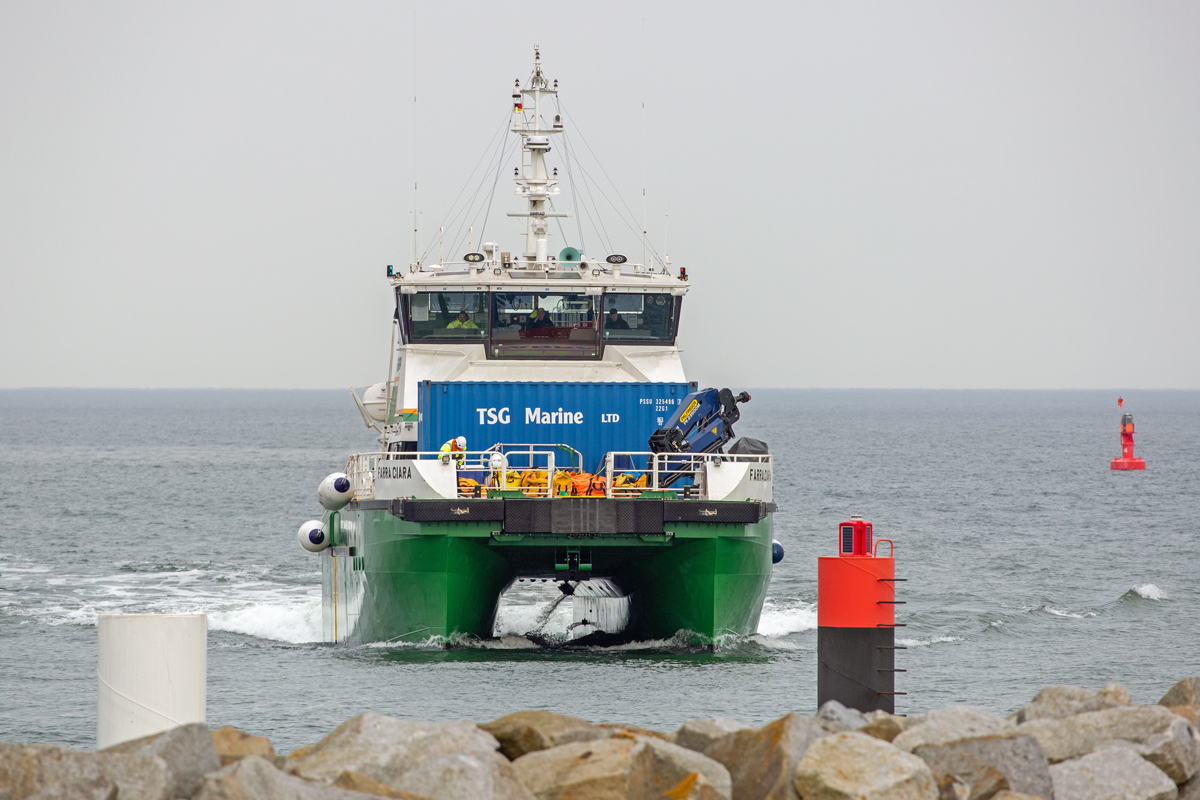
pixel 1126 460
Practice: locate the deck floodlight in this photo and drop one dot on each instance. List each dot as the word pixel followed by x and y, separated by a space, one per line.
pixel 616 258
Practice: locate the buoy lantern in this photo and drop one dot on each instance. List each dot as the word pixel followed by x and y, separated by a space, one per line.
pixel 1126 460
pixel 856 621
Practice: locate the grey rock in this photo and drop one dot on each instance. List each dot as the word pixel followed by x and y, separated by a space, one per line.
pixel 951 787
pixel 255 778
pixel 1166 740
pixel 358 782
pixel 527 731
pixel 698 734
pixel 1111 774
pixel 1057 702
pixel 1191 789
pixel 762 761
pixel 1184 693
pixel 232 744
pixel 991 763
pixel 480 776
pixel 887 727
pixel 26 770
pixel 625 768
pixel 384 748
pixel 950 724
pixel 854 766
pixel 836 718
pixel 188 751
pixel 93 789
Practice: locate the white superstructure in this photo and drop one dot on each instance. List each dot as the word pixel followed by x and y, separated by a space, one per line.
pixel 497 315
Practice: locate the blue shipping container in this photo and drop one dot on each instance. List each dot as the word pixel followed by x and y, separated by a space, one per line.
pixel 593 418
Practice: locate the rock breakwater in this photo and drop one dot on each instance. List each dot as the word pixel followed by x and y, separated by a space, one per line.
pixel 1067 743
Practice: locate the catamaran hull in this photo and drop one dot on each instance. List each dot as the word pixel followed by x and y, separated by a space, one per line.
pixel 393 579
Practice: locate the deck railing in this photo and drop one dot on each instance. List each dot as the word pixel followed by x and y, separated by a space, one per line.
pixel 552 471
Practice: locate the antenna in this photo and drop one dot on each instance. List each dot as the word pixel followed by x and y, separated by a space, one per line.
pixel 666 253
pixel 415 243
pixel 643 83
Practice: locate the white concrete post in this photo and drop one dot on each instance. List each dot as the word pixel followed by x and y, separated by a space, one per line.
pixel 152 672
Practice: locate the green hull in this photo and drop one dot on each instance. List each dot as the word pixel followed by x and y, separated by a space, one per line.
pixel 391 579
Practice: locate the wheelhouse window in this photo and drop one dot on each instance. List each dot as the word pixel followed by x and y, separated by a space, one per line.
pixel 639 317
pixel 446 315
pixel 544 325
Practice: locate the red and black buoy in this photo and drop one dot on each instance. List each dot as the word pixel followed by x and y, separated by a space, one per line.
pixel 1126 460
pixel 856 622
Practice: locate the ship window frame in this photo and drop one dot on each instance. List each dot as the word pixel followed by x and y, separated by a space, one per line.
pixel 406 316
pixel 676 311
pixel 548 353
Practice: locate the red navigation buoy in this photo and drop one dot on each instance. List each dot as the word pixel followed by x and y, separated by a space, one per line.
pixel 856 622
pixel 1126 460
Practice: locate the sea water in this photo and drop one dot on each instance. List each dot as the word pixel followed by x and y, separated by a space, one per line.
pixel 1028 561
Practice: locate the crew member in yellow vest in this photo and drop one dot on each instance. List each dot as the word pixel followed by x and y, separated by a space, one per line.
pixel 456 445
pixel 464 321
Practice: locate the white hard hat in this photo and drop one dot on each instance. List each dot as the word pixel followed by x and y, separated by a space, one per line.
pixel 461 442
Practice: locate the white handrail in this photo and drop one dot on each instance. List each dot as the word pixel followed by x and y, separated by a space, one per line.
pixel 360 468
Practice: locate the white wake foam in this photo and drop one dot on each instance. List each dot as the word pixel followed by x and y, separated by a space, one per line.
pixel 237 601
pixel 523 610
pixel 779 618
pixel 931 640
pixel 1150 592
pixel 296 622
pixel 1059 613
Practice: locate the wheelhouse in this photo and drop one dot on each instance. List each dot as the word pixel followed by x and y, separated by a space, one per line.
pixel 519 322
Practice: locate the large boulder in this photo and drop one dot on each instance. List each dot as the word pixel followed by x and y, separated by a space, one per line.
pixel 989 764
pixel 620 728
pixel 950 724
pixel 698 734
pixel 27 770
pixel 887 727
pixel 622 768
pixel 1164 739
pixel 1191 789
pixel 384 748
pixel 451 776
pixel 1190 713
pixel 187 750
pixel 232 744
pixel 1184 699
pixel 854 766
pixel 529 731
pixel 762 761
pixel 836 718
pixel 93 789
pixel 255 778
pixel 1111 774
pixel 1184 693
pixel 1056 702
pixel 357 782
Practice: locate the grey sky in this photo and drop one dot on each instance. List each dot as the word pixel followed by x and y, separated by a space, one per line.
pixel 864 194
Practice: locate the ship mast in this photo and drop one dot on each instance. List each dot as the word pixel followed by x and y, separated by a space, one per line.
pixel 533 181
